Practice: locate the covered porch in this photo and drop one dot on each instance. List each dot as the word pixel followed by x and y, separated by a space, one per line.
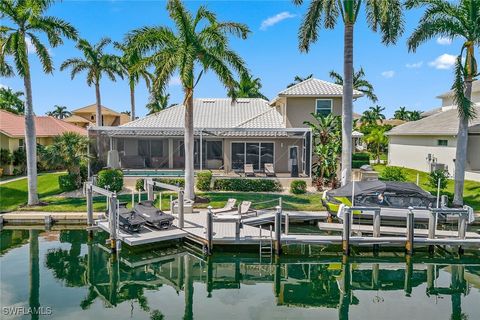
pixel 160 151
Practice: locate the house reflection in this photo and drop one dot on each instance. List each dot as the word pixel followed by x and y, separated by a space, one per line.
pixel 318 283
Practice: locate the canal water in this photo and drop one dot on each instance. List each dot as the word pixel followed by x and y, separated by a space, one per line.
pixel 64 275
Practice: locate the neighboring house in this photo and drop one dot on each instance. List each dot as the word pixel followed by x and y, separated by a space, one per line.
pixel 12 132
pixel 229 134
pixel 83 117
pixel 430 143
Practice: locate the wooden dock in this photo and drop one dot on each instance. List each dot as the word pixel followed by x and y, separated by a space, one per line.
pixel 265 217
pixel 368 229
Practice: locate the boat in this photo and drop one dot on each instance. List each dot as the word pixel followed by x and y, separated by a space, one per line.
pixel 129 220
pixel 153 216
pixel 393 197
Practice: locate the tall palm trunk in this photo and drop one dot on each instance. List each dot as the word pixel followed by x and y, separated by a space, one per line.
pixel 30 140
pixel 347 111
pixel 461 151
pixel 189 143
pixel 98 103
pixel 132 100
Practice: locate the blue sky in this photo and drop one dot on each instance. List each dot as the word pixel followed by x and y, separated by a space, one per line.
pixel 271 51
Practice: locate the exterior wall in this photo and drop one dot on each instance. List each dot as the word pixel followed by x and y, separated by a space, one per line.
pixel 299 109
pixel 473 152
pixel 108 120
pixel 412 151
pixel 448 101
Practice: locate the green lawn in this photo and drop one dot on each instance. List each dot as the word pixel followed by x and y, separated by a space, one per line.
pixel 471 190
pixel 307 202
pixel 14 194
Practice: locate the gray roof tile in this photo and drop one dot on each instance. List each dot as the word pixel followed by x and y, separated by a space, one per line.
pixel 316 87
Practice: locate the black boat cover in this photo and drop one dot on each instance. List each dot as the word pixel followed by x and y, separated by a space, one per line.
pixel 377 187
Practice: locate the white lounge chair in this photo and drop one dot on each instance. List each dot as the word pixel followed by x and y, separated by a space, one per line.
pixel 244 208
pixel 248 170
pixel 269 170
pixel 229 206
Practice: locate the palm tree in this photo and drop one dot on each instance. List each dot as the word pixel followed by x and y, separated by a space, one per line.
pixel 384 15
pixel 299 79
pixel 368 118
pixel 401 114
pixel 359 83
pixel 377 139
pixel 60 112
pixel 133 67
pixel 414 115
pixel 11 102
pixel 96 63
pixel 377 113
pixel 200 42
pixel 28 20
pixel 455 21
pixel 158 102
pixel 248 87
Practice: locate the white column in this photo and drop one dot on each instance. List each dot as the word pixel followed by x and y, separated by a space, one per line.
pixel 170 153
pixel 201 150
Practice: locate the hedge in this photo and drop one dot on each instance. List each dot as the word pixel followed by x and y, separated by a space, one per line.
pixel 247 185
pixel 204 180
pixel 110 179
pixel 68 182
pixel 298 187
pixel 357 164
pixel 361 156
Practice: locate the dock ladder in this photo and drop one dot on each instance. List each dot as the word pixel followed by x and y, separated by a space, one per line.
pixel 266 247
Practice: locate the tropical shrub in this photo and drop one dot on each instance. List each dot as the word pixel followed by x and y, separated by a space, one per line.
pixel 139 185
pixel 110 179
pixel 298 187
pixel 392 173
pixel 179 182
pixel 437 175
pixel 247 185
pixel 204 179
pixel 5 157
pixel 360 159
pixel 68 182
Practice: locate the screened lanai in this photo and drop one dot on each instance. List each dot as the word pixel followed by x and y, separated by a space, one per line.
pixel 223 150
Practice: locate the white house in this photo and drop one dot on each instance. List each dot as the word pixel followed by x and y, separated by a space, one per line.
pixel 431 142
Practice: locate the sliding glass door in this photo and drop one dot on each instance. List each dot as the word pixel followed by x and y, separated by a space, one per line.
pixel 254 153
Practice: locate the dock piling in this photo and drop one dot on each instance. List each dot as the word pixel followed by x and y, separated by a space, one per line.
pixel 287 223
pixel 180 209
pixel 376 228
pixel 89 204
pixel 278 230
pixel 149 191
pixel 347 229
pixel 432 226
pixel 462 229
pixel 112 215
pixel 410 231
pixel 209 231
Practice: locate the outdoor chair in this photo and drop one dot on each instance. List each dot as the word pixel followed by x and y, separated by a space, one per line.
pixel 229 206
pixel 269 170
pixel 248 170
pixel 245 208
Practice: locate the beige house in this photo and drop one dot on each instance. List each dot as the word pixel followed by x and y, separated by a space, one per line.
pixel 430 143
pixel 229 134
pixel 12 132
pixel 83 117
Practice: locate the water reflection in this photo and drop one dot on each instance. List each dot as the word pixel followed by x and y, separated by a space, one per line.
pixel 323 282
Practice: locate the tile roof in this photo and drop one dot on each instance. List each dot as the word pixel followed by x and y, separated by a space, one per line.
pixel 316 87
pixel 75 118
pixel 92 108
pixel 442 123
pixel 14 126
pixel 216 113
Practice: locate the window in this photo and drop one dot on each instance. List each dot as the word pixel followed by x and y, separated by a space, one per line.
pixel 442 143
pixel 214 150
pixel 323 107
pixel 21 144
pixel 156 147
pixel 255 153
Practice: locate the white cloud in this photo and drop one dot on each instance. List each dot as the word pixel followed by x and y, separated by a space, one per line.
pixel 388 74
pixel 273 20
pixel 444 41
pixel 175 81
pixel 443 62
pixel 414 65
pixel 30 46
pixel 2 86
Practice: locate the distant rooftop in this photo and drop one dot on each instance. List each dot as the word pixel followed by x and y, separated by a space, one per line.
pixel 315 87
pixel 13 125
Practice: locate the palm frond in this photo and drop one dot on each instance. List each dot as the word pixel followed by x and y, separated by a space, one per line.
pixel 311 22
pixel 42 54
pixel 465 106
